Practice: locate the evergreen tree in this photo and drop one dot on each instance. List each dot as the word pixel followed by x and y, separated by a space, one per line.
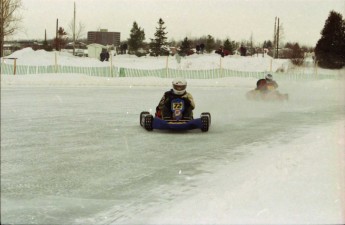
pixel 330 49
pixel 230 46
pixel 123 48
pixel 268 44
pixel 159 40
pixel 61 39
pixel 289 45
pixel 210 44
pixel 185 47
pixel 136 39
pixel 297 55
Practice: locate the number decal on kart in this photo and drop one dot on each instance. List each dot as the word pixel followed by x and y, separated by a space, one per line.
pixel 177 106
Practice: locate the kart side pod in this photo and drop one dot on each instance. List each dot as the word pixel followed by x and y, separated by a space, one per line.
pixel 149 122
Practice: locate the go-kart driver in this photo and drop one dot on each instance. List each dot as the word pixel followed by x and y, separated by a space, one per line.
pixel 267 84
pixel 163 110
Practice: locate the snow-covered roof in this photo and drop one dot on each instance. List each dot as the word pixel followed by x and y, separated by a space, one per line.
pixel 96 45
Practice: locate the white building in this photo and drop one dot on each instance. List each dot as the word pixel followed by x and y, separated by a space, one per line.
pixel 94 50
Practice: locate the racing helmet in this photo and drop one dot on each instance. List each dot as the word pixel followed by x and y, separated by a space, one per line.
pixel 179 86
pixel 269 77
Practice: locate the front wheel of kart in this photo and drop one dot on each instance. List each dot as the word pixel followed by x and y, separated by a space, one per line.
pixel 207 114
pixel 205 122
pixel 142 116
pixel 148 121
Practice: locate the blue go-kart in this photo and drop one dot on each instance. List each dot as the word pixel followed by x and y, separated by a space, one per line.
pixel 177 122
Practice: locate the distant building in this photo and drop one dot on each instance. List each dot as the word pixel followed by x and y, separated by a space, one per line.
pixel 103 37
pixel 94 50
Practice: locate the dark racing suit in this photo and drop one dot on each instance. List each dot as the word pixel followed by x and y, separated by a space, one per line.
pixel 163 110
pixel 265 85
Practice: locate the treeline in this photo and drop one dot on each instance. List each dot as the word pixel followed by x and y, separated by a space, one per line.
pixel 159 45
pixel 329 51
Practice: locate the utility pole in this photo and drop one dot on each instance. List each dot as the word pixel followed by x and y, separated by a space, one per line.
pixel 274 36
pixel 74 31
pixel 45 43
pixel 56 36
pixel 277 55
pixel 251 43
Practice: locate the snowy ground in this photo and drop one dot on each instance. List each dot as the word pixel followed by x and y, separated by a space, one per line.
pixel 72 152
pixel 257 63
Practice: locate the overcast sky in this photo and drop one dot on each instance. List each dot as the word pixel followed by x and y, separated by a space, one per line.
pixel 237 20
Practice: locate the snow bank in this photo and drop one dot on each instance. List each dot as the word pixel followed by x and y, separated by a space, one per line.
pixel 28 56
pixel 309 187
pixel 258 63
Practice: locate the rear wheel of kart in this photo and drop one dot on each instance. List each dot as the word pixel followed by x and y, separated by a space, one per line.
pixel 142 115
pixel 205 123
pixel 207 114
pixel 148 120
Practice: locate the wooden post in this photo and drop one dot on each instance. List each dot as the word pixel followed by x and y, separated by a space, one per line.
pixel 166 66
pixel 15 66
pixel 55 62
pixel 271 65
pixel 220 66
pixel 316 65
pixel 111 64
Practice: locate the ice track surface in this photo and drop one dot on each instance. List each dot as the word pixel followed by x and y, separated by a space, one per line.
pixel 77 155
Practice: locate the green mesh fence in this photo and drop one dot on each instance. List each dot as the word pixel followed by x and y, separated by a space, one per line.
pixel 32 70
pixel 8 69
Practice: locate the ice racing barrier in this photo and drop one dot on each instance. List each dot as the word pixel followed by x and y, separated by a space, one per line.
pixel 106 71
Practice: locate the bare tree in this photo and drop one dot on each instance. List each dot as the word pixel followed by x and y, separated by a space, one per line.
pixel 9 19
pixel 79 30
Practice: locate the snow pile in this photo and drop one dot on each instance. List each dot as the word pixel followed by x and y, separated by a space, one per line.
pixel 202 62
pixel 28 56
pixel 256 63
pixel 222 199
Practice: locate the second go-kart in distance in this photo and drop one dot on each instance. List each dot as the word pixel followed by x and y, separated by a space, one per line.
pixel 266 90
